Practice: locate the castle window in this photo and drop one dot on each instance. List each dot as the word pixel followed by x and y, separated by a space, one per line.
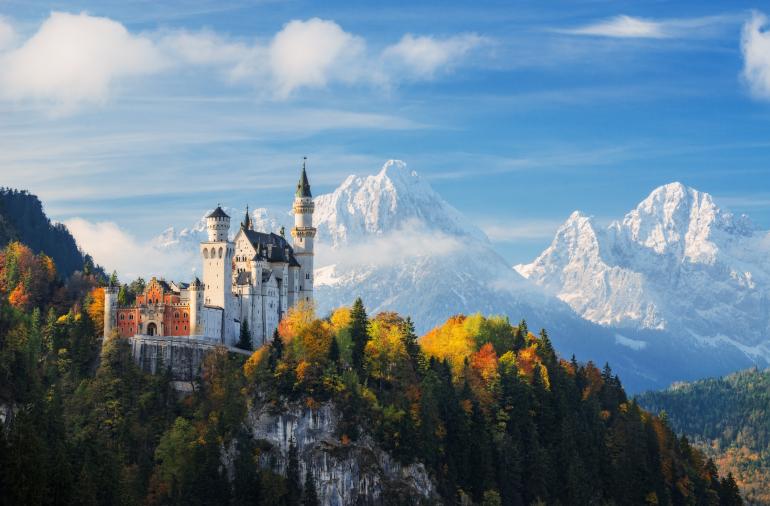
pixel 122 317
pixel 307 275
pixel 130 317
pixel 176 315
pixel 176 327
pixel 205 253
pixel 220 252
pixel 185 315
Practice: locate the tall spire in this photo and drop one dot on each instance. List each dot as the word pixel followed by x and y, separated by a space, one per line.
pixel 303 187
pixel 246 225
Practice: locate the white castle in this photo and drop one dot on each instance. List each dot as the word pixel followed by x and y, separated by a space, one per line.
pixel 253 279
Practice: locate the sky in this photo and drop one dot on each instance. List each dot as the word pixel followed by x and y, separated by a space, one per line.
pixel 127 117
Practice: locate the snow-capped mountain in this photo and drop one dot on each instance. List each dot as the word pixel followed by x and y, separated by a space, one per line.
pixel 390 239
pixel 677 262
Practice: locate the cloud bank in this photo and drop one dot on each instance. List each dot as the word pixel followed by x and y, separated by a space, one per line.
pixel 115 249
pixel 755 45
pixel 79 59
pixel 630 27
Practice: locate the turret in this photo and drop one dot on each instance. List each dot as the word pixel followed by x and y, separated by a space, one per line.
pixel 217 225
pixel 110 309
pixel 304 233
pixel 196 304
pixel 246 223
pixel 217 255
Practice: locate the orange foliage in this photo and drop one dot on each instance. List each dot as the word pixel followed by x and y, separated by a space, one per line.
pixel 484 362
pixel 594 381
pixel 526 361
pixel 385 351
pixel 450 341
pixel 96 308
pixel 315 339
pixel 19 297
pixel 296 319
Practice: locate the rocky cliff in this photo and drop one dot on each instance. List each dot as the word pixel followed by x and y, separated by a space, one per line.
pixel 356 472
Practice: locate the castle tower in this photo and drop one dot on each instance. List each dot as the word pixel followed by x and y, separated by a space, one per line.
pixel 217 255
pixel 110 309
pixel 195 291
pixel 303 234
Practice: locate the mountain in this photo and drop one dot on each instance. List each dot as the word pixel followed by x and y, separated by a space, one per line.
pixel 22 219
pixel 392 240
pixel 676 263
pixel 729 419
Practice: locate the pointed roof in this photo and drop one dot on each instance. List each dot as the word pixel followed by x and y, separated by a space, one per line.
pixel 303 186
pixel 246 225
pixel 218 213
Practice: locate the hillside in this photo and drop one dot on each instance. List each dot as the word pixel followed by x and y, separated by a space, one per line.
pixel 729 418
pixel 342 410
pixel 22 219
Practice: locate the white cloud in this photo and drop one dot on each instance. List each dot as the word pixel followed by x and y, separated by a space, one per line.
pixel 535 229
pixel 423 56
pixel 313 52
pixel 202 48
pixel 75 59
pixel 622 26
pixel 755 44
pixel 78 59
pixel 7 33
pixel 115 249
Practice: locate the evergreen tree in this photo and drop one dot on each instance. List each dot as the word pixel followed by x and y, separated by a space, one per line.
pixel 411 345
pixel 334 354
pixel 359 333
pixel 294 485
pixel 310 497
pixel 244 340
pixel 276 350
pixel 729 494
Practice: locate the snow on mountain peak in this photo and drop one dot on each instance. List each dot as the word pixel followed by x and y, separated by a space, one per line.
pixel 676 261
pixel 378 204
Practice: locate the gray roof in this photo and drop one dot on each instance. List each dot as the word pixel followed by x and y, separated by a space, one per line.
pixel 218 213
pixel 272 247
pixel 303 186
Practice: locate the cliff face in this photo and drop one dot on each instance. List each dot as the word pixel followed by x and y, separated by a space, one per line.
pixel 355 473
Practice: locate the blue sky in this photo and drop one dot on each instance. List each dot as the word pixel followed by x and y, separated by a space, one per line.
pixel 517 113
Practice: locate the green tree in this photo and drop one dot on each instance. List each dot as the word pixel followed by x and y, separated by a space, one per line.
pixel 359 333
pixel 310 497
pixel 294 485
pixel 276 350
pixel 244 340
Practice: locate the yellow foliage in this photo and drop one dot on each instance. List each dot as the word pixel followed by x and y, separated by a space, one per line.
pixel 96 308
pixel 315 339
pixel 301 370
pixel 526 362
pixel 254 362
pixel 450 341
pixel 296 319
pixel 340 319
pixel 385 350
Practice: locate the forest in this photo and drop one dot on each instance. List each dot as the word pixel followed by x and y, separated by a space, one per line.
pixel 729 420
pixel 489 408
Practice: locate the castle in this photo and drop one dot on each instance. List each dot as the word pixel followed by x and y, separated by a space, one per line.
pixel 253 279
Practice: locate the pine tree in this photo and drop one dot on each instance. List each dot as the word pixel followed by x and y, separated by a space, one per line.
pixel 276 350
pixel 294 492
pixel 729 494
pixel 334 353
pixel 244 341
pixel 359 334
pixel 411 345
pixel 310 497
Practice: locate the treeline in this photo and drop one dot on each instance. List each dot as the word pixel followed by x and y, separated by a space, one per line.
pixel 729 418
pixel 22 219
pixel 488 407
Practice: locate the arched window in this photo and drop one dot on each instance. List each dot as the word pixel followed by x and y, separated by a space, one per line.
pixel 122 317
pixel 213 252
pixel 130 317
pixel 220 252
pixel 185 315
pixel 176 314
pixel 205 253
